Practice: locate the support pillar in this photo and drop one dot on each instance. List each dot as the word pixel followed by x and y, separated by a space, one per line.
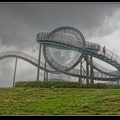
pixel 47 76
pixel 15 72
pixel 45 72
pixel 39 57
pixel 91 70
pixel 80 77
pixel 87 70
pixel 118 82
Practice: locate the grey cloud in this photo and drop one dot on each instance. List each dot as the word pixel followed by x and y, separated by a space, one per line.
pixel 46 17
pixel 6 72
pixel 62 56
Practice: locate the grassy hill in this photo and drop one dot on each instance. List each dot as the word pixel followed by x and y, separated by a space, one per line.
pixel 59 101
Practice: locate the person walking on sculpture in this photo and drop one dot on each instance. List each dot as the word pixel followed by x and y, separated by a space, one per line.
pixel 104 50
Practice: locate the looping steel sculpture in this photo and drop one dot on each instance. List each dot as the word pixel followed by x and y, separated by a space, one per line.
pixel 69 38
pixel 60 39
pixel 77 58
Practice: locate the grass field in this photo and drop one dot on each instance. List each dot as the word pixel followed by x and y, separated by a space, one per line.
pixel 59 101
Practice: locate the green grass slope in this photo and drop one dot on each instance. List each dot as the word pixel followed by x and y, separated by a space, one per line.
pixel 59 101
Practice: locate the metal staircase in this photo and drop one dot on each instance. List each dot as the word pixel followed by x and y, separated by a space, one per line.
pixel 59 40
pixel 98 75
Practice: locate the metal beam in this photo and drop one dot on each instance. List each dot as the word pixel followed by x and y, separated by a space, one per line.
pixel 80 77
pixel 47 76
pixel 15 72
pixel 39 57
pixel 118 82
pixel 91 70
pixel 45 72
pixel 87 70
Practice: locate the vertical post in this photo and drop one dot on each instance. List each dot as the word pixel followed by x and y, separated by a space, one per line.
pixel 15 72
pixel 118 82
pixel 91 71
pixel 80 77
pixel 45 72
pixel 39 62
pixel 87 70
pixel 47 76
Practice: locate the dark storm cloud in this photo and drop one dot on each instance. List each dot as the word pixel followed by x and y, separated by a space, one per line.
pixel 19 23
pixel 54 15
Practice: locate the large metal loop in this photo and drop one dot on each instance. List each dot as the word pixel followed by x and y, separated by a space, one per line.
pixel 78 56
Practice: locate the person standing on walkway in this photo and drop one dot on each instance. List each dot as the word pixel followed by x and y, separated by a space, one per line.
pixel 104 50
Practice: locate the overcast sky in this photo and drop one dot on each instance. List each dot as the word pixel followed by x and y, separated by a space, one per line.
pixel 20 23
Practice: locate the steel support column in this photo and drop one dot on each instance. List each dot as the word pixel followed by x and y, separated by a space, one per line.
pixel 118 82
pixel 15 72
pixel 91 70
pixel 45 72
pixel 80 77
pixel 39 57
pixel 47 76
pixel 87 70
